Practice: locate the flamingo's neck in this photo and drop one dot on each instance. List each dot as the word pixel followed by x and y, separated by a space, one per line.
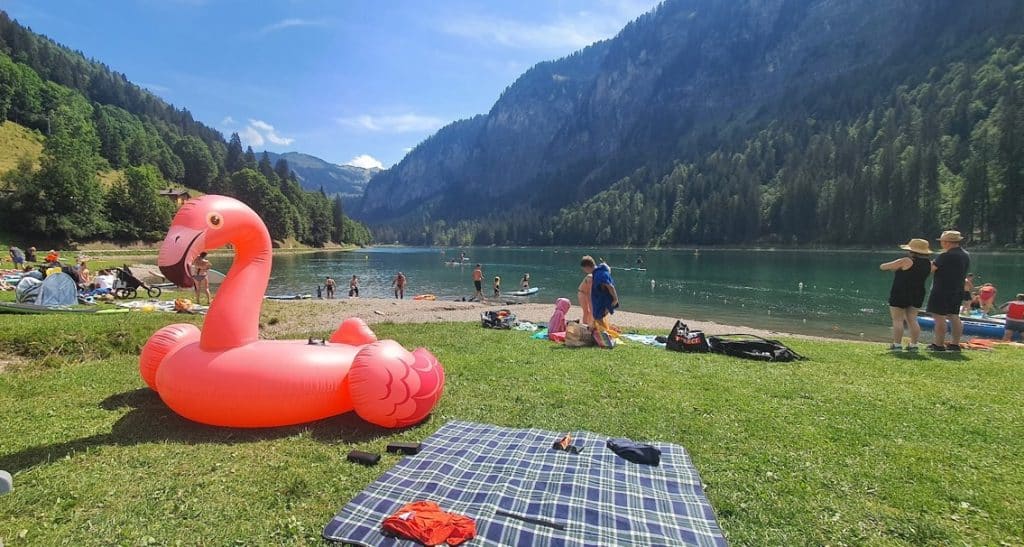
pixel 234 317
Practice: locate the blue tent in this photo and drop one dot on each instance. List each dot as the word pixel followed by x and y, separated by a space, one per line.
pixel 58 289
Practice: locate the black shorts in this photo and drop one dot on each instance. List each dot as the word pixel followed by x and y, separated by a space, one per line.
pixel 478 284
pixel 1014 325
pixel 945 303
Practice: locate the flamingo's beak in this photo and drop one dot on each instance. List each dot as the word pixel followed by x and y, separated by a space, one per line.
pixel 178 250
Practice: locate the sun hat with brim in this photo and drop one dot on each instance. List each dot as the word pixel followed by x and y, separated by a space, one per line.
pixel 918 246
pixel 951 236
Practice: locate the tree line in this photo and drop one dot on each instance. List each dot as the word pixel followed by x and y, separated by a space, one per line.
pixel 95 120
pixel 940 150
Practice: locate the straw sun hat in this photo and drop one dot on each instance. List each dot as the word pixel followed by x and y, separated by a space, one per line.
pixel 918 246
pixel 952 236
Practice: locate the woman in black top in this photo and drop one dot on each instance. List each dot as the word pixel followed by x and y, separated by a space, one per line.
pixel 907 293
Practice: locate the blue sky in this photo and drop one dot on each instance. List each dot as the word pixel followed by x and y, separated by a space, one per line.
pixel 337 79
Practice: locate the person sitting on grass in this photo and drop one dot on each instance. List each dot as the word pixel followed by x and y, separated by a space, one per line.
pixel 84 275
pixel 987 298
pixel 907 292
pixel 1014 317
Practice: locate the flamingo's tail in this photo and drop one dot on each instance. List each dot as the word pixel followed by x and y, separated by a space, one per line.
pixel 160 345
pixel 392 387
pixel 354 332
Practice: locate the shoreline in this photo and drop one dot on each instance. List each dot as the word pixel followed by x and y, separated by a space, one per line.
pixel 291 317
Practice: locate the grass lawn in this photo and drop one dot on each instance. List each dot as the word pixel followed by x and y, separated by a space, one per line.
pixel 854 446
pixel 16 142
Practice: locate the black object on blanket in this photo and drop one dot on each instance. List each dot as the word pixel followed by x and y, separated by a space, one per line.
pixel 404 448
pixel 635 452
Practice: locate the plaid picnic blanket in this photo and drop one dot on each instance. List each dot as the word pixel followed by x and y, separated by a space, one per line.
pixel 522 492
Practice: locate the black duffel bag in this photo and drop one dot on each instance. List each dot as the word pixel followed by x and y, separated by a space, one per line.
pixel 748 346
pixel 683 339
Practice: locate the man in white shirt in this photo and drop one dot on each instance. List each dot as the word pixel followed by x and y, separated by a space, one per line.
pixel 105 280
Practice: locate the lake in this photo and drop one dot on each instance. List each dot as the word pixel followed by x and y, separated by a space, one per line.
pixel 843 293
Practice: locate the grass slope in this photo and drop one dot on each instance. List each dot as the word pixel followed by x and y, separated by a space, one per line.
pixel 854 446
pixel 16 142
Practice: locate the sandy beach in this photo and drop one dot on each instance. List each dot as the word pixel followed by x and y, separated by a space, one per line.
pixel 292 317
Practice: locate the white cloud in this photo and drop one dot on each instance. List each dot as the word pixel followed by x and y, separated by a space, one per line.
pixel 291 23
pixel 227 121
pixel 251 137
pixel 407 149
pixel 603 20
pixel 402 123
pixel 365 161
pixel 259 132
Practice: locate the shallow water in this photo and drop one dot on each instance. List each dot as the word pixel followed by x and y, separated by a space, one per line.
pixel 843 293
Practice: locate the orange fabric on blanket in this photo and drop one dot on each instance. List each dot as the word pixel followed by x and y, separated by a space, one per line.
pixel 427 523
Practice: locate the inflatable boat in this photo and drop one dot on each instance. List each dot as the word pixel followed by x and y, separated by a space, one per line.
pixel 984 327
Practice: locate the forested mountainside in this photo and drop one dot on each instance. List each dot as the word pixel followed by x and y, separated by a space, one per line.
pixel 94 120
pixel 347 181
pixel 740 121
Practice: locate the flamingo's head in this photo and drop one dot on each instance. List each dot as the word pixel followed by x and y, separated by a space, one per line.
pixel 202 224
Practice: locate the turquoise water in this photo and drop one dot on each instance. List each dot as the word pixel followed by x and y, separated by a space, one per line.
pixel 843 293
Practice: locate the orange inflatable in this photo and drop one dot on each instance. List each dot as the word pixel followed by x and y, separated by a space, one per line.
pixel 224 375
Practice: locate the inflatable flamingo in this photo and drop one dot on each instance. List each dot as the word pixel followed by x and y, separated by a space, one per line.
pixel 225 375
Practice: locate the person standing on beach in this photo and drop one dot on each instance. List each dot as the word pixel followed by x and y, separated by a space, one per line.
pixel 950 269
pixel 399 285
pixel 583 291
pixel 353 287
pixel 329 284
pixel 497 286
pixel 968 293
pixel 478 283
pixel 201 277
pixel 907 292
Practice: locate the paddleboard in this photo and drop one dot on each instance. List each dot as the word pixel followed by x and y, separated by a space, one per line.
pixel 527 292
pixel 288 296
pixel 32 309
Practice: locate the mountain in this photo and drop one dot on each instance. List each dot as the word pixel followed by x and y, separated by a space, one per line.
pixel 314 173
pixel 696 124
pixel 96 121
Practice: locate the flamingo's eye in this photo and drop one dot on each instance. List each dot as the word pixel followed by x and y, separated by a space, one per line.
pixel 214 220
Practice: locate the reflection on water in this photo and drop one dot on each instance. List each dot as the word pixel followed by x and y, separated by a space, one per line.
pixel 812 292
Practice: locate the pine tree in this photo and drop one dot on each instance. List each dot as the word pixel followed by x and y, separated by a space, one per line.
pixel 234 161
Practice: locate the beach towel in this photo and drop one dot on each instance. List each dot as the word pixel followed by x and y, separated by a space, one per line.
pixel 600 298
pixel 521 491
pixel 557 323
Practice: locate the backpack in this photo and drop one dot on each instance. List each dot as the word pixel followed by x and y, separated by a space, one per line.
pixel 500 319
pixel 683 339
pixel 748 346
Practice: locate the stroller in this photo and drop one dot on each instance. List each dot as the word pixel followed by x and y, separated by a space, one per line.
pixel 126 285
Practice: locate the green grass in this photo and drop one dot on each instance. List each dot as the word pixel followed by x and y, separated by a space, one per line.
pixel 16 142
pixel 854 446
